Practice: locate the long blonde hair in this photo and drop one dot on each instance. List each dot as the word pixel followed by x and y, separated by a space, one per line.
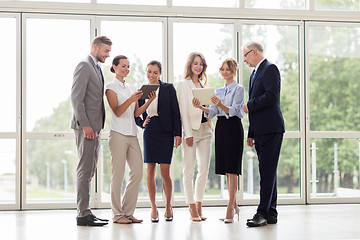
pixel 188 73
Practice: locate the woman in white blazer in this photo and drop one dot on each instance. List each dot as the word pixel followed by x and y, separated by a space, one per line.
pixel 197 134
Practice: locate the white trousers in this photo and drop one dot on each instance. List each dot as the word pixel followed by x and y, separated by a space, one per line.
pixel 201 150
pixel 124 149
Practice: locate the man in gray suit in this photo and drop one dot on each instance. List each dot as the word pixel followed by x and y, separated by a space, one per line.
pixel 88 119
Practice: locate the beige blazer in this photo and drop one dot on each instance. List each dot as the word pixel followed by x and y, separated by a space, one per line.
pixel 190 116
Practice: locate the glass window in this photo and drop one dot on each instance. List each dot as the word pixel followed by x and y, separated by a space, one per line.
pixel 288 172
pixel 8 74
pixel 8 105
pixel 140 46
pixel 51 171
pixel 216 42
pixel 7 171
pixel 334 54
pixel 345 5
pixel 50 62
pixel 282 49
pixel 335 168
pixel 276 4
pixel 206 3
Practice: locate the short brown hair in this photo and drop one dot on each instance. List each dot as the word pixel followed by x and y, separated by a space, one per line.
pixel 101 40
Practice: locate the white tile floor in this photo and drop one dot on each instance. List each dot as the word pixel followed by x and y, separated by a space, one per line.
pixel 338 221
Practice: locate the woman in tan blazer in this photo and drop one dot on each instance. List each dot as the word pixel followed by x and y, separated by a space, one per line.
pixel 197 134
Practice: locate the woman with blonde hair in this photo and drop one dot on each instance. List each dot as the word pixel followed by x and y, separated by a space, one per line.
pixel 229 132
pixel 197 134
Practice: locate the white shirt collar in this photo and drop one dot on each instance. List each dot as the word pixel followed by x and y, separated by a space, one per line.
pixel 257 66
pixel 118 82
pixel 93 58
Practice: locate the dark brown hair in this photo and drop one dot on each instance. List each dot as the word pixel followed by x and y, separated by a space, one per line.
pixel 116 61
pixel 157 63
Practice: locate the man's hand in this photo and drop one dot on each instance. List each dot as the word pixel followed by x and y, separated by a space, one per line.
pixel 245 108
pixel 88 132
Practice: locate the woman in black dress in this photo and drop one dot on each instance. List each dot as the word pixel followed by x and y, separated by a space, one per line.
pixel 162 127
pixel 229 132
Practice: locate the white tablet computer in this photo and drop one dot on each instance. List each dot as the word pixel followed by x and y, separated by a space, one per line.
pixel 204 95
pixel 147 89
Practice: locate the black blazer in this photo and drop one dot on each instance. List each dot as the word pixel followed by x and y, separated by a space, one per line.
pixel 265 115
pixel 168 109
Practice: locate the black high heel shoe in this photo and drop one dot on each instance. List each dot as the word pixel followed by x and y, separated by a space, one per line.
pixel 169 219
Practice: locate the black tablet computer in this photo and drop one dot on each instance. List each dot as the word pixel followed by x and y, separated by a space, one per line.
pixel 147 89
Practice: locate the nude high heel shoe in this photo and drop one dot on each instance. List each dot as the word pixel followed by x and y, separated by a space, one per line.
pixel 199 210
pixel 237 212
pixel 234 211
pixel 194 219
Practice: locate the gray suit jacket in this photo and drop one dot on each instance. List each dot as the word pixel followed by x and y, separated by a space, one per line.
pixel 87 96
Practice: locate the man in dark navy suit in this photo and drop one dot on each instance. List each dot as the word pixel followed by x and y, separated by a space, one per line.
pixel 266 128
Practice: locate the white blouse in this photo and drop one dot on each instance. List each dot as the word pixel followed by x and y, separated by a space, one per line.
pixel 125 124
pixel 152 110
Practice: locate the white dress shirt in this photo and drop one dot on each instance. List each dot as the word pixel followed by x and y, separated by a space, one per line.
pixel 125 124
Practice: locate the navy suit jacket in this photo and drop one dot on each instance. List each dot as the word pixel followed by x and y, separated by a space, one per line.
pixel 265 115
pixel 168 109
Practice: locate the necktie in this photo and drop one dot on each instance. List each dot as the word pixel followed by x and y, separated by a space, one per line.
pixel 102 81
pixel 102 77
pixel 252 78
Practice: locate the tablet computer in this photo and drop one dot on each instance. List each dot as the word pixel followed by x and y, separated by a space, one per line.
pixel 204 95
pixel 147 89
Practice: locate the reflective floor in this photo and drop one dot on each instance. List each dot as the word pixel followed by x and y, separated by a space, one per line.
pixel 337 221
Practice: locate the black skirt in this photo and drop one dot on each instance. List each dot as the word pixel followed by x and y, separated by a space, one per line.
pixel 229 145
pixel 158 144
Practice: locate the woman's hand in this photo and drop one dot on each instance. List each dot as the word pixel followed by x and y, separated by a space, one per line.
pixel 152 96
pixel 147 120
pixel 136 96
pixel 177 141
pixel 216 101
pixel 196 103
pixel 189 141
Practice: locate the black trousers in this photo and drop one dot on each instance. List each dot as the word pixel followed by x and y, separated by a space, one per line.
pixel 268 150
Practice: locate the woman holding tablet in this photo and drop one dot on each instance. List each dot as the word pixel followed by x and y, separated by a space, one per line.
pixel 162 126
pixel 197 134
pixel 123 143
pixel 229 132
